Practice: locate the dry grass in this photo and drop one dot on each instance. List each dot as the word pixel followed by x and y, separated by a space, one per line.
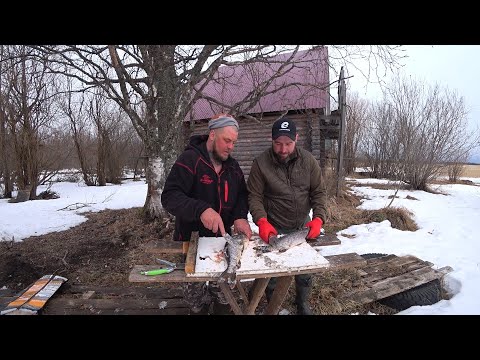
pixel 343 212
pixel 389 186
pixel 471 171
pixel 327 295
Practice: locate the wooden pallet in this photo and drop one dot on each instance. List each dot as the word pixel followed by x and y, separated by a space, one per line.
pixel 389 275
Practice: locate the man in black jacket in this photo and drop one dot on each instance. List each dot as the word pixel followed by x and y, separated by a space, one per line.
pixel 206 189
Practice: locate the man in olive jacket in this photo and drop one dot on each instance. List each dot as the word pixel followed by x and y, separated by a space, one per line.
pixel 284 184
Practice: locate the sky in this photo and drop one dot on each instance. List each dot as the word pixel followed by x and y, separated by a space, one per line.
pixel 447 235
pixel 452 66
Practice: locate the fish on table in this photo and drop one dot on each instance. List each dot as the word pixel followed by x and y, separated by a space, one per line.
pixel 234 247
pixel 285 242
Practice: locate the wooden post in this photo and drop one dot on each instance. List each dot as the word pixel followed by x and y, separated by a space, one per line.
pixel 191 254
pixel 342 109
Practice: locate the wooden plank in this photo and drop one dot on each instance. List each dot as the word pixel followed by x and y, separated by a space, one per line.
pixel 394 285
pixel 393 261
pixel 88 294
pixel 380 260
pixel 6 292
pixel 278 295
pixel 21 311
pixel 371 279
pixel 91 311
pixel 117 303
pixel 256 293
pixel 109 291
pixel 163 247
pixel 230 298
pixel 243 294
pixel 392 267
pixel 445 270
pixel 4 301
pixel 191 254
pixel 343 261
pixel 325 240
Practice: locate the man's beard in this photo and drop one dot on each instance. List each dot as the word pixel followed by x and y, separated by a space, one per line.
pixel 281 160
pixel 216 156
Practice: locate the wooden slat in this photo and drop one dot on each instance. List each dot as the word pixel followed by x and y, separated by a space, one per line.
pixel 278 295
pixel 230 298
pixel 164 247
pixel 395 285
pixel 116 303
pixel 347 260
pixel 325 240
pixel 88 295
pixel 143 291
pixel 445 270
pixel 256 293
pixel 371 279
pixel 91 311
pixel 191 254
pixel 391 266
pixel 380 260
pixel 242 292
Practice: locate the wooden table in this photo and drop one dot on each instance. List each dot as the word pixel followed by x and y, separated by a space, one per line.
pixel 251 301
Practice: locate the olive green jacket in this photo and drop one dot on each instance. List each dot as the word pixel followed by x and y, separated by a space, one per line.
pixel 285 193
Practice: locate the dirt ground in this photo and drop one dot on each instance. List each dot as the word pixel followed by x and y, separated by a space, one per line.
pixel 101 251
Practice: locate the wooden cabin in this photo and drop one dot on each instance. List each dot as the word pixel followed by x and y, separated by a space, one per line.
pixel 306 101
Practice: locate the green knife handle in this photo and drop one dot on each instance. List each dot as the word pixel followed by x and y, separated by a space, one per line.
pixel 156 272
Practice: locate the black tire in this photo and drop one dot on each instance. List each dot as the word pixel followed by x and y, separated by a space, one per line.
pixel 425 294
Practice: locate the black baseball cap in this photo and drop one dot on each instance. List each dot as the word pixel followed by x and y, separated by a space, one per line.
pixel 284 127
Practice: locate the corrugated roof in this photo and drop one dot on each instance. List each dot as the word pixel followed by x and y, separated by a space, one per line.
pixel 233 83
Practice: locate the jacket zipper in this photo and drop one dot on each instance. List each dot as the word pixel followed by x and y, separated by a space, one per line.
pixel 226 191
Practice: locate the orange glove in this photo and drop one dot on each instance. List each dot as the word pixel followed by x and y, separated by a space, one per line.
pixel 315 227
pixel 265 229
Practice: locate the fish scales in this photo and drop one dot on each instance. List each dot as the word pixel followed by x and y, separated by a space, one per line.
pixel 234 247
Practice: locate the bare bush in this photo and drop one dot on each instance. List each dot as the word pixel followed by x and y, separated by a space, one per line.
pixel 416 129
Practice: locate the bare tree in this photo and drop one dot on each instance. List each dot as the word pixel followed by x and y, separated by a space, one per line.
pixel 5 150
pixel 157 86
pixel 356 119
pixel 73 106
pixel 28 92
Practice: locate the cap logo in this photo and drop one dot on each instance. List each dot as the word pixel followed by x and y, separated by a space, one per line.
pixel 284 125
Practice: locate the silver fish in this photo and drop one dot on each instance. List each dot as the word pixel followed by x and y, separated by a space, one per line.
pixel 233 249
pixel 288 241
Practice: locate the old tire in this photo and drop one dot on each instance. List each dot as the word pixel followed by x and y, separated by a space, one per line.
pixel 425 294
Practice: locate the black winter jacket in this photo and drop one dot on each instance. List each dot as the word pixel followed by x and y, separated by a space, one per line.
pixel 193 186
